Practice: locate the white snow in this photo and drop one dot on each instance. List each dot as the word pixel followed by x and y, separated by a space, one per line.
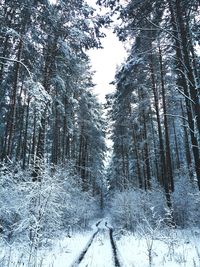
pixel 66 250
pixel 175 249
pixel 170 248
pixel 100 252
pixel 62 253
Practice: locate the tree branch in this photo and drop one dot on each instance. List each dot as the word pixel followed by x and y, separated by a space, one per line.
pixel 17 61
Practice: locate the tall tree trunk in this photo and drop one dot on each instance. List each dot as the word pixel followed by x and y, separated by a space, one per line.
pixel 170 179
pixel 24 150
pixel 55 143
pixel 13 104
pixel 65 134
pixel 146 157
pixel 21 129
pixel 178 165
pixel 140 182
pixel 155 149
pixel 33 145
pixel 160 135
pixel 187 145
pixel 84 166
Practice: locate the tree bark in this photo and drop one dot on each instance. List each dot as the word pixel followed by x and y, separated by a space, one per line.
pixel 13 105
pixel 170 179
pixel 160 135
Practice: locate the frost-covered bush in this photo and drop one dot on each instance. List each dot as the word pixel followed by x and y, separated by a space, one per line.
pixel 78 207
pixel 83 209
pixel 36 211
pixel 186 202
pixel 131 207
pixel 11 201
pixel 134 207
pixel 29 210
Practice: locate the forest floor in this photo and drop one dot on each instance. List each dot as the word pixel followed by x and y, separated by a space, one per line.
pixel 103 247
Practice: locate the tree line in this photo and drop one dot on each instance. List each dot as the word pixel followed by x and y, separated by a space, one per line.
pixel 48 111
pixel 52 132
pixel 155 111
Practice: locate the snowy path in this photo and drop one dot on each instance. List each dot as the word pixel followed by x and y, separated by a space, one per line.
pixel 177 248
pixel 100 250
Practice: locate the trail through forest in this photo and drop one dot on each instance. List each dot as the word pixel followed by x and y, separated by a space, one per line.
pixel 58 175
pixel 101 249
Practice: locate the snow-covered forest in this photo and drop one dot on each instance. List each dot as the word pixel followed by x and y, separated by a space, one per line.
pixel 63 201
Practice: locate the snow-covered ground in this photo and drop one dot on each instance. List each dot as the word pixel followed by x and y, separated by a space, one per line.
pixel 100 252
pixel 172 248
pixel 62 253
pixel 175 248
pixel 66 251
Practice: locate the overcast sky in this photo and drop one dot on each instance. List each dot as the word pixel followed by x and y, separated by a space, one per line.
pixel 104 61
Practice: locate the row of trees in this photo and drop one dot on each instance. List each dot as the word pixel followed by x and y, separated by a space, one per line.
pixel 48 111
pixel 51 127
pixel 155 111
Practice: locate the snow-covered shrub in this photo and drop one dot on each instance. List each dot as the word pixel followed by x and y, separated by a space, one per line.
pixel 11 202
pixel 78 207
pixel 37 211
pixel 83 209
pixel 130 207
pixel 29 209
pixel 34 213
pixel 186 202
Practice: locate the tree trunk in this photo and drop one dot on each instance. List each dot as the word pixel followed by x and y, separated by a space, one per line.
pixel 13 105
pixel 176 147
pixel 140 182
pixel 169 177
pixel 160 135
pixel 187 145
pixel 146 157
pixel 155 150
pixel 24 150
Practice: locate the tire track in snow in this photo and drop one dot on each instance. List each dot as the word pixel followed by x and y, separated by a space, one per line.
pixel 83 254
pixel 113 245
pixel 114 248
